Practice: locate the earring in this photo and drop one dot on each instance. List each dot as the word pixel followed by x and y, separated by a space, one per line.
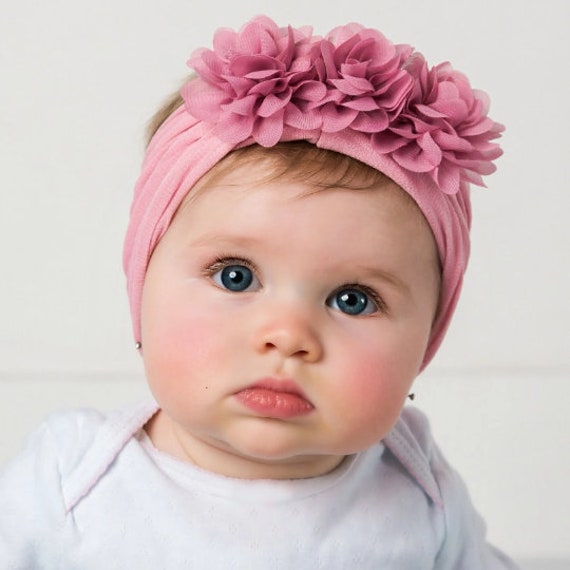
pixel 138 345
pixel 412 396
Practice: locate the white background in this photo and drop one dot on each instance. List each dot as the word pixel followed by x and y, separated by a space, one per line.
pixel 78 81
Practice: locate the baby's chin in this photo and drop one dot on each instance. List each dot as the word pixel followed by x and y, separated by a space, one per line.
pixel 266 457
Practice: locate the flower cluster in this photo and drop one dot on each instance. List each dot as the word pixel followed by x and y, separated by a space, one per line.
pixel 259 80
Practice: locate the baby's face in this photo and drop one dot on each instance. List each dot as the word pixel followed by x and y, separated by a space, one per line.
pixel 282 328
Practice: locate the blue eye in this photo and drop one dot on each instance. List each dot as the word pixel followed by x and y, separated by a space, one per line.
pixel 234 277
pixel 352 301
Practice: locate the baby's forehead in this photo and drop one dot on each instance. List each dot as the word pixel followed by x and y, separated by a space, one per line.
pixel 265 199
pixel 240 177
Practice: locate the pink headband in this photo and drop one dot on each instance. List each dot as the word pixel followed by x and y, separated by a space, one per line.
pixel 353 92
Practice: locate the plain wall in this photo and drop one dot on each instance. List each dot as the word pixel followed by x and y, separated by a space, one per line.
pixel 79 80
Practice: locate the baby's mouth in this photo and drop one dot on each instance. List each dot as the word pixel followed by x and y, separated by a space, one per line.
pixel 274 398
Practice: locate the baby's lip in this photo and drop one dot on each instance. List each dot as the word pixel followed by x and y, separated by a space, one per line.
pixel 283 385
pixel 275 398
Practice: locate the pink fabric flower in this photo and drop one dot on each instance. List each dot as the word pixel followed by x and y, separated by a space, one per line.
pixel 259 80
pixel 366 84
pixel 443 129
pixel 254 82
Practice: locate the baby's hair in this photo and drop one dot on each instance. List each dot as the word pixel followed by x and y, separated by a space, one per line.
pixel 170 105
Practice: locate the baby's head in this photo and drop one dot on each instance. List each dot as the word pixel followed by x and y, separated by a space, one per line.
pixel 303 218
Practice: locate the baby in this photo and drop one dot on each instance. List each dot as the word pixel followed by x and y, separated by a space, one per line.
pixel 296 249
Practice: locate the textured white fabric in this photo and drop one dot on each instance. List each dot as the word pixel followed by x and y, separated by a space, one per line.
pixel 91 492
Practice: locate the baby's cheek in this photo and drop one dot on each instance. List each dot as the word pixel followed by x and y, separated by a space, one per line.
pixel 181 351
pixel 197 343
pixel 373 389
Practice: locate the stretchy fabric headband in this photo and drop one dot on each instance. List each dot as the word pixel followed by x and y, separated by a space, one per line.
pixel 351 91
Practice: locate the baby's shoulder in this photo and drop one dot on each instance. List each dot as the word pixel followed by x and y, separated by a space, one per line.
pixel 70 434
pixel 68 440
pixel 32 482
pixel 81 445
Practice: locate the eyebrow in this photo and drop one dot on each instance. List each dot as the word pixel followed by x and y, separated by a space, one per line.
pixel 375 273
pixel 230 241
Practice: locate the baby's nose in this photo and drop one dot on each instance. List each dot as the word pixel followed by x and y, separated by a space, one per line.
pixel 290 332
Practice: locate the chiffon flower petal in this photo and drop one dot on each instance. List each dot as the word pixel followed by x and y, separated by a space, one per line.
pixel 258 80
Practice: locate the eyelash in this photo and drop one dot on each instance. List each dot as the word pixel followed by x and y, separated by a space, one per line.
pixel 371 293
pixel 224 260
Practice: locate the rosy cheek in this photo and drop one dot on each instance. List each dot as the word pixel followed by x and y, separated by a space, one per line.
pixel 196 343
pixel 374 387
